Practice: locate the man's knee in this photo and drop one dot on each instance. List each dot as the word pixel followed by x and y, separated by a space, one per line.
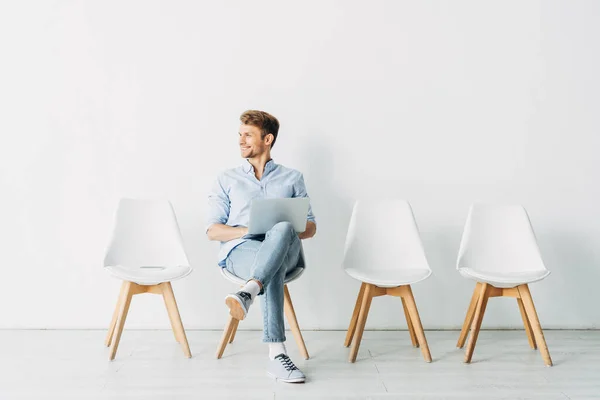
pixel 286 229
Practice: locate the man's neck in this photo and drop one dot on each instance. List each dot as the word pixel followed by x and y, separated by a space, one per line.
pixel 259 163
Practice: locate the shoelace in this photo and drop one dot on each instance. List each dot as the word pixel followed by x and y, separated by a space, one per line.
pixel 286 362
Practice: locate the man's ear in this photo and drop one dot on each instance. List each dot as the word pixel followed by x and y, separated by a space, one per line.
pixel 269 137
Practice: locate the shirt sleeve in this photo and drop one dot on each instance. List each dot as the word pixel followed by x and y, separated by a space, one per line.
pixel 300 191
pixel 218 204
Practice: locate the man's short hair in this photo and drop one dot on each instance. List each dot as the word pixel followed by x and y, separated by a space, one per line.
pixel 262 120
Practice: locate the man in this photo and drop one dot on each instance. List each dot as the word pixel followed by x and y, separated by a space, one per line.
pixel 263 260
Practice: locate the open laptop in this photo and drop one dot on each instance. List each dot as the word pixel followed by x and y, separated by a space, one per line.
pixel 265 213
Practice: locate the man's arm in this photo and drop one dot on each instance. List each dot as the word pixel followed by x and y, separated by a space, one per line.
pixel 225 233
pixel 311 224
pixel 218 214
pixel 311 229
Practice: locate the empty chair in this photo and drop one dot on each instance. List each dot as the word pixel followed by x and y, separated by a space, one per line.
pixel 499 251
pixel 288 309
pixel 384 252
pixel 146 252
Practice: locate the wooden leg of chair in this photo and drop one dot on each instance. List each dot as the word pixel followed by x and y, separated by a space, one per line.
pixel 535 323
pixel 411 305
pixel 527 325
pixel 175 317
pixel 469 317
pixel 484 290
pixel 411 329
pixel 226 335
pixel 288 308
pixel 362 320
pixel 172 316
pixel 123 309
pixel 352 327
pixel 234 330
pixel 113 322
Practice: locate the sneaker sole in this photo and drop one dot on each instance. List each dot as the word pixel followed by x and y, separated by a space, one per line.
pixel 295 380
pixel 235 308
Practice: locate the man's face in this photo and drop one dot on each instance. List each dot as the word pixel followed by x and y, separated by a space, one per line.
pixel 251 142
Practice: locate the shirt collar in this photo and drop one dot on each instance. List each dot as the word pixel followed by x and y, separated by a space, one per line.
pixel 247 167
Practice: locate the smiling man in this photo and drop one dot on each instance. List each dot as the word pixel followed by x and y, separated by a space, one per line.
pixel 263 260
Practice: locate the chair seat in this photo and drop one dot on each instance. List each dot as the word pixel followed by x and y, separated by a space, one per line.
pixel 289 277
pixel 149 276
pixel 389 278
pixel 504 279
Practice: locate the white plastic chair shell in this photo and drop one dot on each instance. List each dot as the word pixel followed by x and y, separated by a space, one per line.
pixel 499 247
pixel 383 246
pixel 146 247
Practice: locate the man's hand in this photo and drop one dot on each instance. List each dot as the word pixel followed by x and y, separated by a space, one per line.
pixel 225 233
pixel 311 229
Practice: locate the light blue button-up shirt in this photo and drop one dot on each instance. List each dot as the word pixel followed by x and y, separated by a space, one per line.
pixel 233 191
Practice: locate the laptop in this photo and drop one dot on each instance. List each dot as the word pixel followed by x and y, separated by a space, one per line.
pixel 265 213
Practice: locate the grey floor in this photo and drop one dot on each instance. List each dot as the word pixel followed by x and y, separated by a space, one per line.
pixel 150 365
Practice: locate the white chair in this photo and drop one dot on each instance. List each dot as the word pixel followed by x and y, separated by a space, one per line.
pixel 384 252
pixel 146 252
pixel 499 251
pixel 288 308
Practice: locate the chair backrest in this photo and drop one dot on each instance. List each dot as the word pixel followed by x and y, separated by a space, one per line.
pixel 146 234
pixel 383 235
pixel 499 238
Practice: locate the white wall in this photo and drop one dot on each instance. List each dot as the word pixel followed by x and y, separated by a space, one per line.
pixel 441 103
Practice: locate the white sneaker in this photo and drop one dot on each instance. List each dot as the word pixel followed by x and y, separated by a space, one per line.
pixel 283 369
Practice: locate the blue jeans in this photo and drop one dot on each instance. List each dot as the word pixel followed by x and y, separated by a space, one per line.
pixel 267 261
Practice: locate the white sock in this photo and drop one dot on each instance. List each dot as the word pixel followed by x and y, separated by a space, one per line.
pixel 252 287
pixel 276 349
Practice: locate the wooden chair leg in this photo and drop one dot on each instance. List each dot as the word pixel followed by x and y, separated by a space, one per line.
pixel 234 330
pixel 469 317
pixel 411 329
pixel 113 322
pixel 362 319
pixel 125 301
pixel 411 305
pixel 288 308
pixel 527 325
pixel 175 317
pixel 484 290
pixel 352 327
pixel 226 336
pixel 535 323
pixel 171 318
